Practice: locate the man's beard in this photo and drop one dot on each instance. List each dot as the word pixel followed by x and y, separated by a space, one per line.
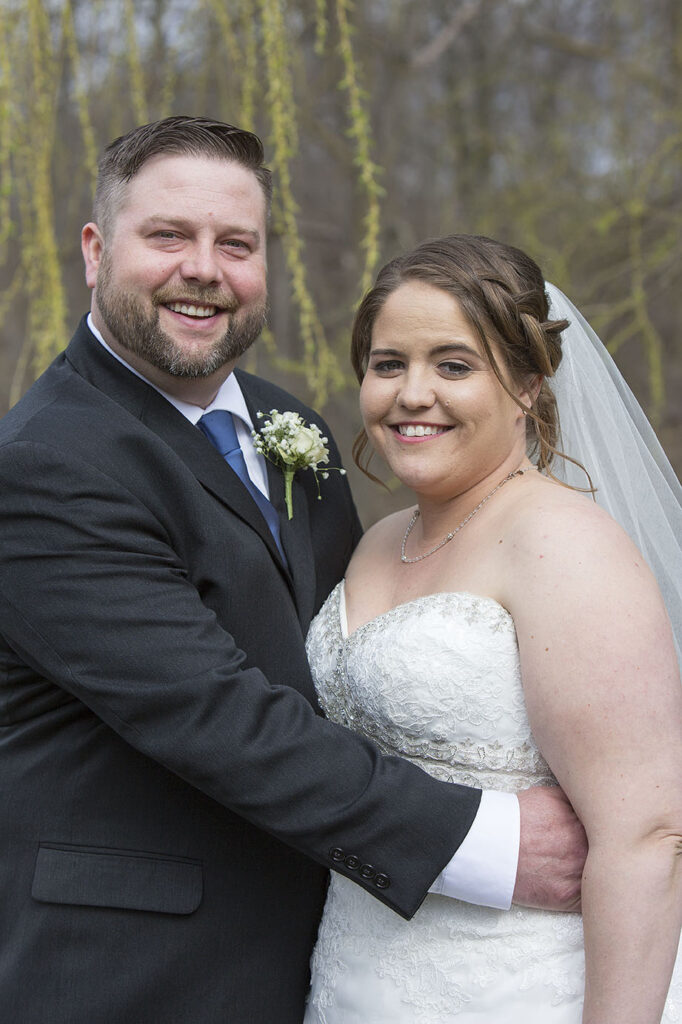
pixel 140 332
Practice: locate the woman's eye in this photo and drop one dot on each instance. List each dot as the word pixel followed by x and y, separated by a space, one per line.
pixel 454 369
pixel 387 366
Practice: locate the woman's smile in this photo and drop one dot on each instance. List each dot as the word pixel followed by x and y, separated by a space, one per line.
pixel 416 432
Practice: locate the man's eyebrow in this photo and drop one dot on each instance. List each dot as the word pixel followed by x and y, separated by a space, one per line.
pixel 163 220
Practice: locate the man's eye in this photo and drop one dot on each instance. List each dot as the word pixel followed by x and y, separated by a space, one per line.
pixel 236 243
pixel 166 234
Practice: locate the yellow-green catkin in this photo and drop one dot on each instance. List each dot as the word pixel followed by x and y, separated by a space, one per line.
pixel 248 24
pixel 318 363
pixel 6 110
pixel 220 11
pixel 135 70
pixel 321 27
pixel 168 83
pixel 360 131
pixel 47 306
pixel 80 93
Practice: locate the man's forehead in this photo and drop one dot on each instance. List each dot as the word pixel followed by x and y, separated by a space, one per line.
pixel 193 177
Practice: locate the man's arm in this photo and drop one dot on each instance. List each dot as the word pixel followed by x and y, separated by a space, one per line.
pixel 98 603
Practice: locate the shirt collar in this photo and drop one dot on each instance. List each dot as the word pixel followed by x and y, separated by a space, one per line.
pixel 229 397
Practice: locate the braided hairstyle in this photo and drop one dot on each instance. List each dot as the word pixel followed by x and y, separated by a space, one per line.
pixel 501 291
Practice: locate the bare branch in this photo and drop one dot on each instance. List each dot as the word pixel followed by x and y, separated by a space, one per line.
pixel 439 44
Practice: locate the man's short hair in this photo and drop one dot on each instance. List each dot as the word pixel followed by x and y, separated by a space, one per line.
pixel 179 135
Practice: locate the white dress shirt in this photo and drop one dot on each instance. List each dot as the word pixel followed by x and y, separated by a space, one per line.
pixel 483 870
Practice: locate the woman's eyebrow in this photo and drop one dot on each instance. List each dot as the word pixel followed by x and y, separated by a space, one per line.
pixel 451 346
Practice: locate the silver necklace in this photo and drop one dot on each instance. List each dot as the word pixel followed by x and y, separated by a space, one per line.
pixel 446 540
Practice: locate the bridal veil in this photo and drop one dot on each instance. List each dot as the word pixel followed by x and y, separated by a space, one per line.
pixel 604 428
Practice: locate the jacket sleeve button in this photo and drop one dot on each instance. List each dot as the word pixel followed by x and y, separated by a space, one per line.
pixel 336 854
pixel 352 862
pixel 382 881
pixel 367 871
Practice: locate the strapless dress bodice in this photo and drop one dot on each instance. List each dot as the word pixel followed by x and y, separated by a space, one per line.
pixel 435 680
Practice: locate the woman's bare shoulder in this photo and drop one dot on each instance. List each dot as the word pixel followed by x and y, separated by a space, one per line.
pixel 561 542
pixel 382 539
pixel 560 516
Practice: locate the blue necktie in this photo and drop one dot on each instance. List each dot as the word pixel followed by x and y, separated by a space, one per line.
pixel 219 428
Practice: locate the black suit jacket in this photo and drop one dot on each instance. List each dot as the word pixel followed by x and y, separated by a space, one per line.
pixel 171 798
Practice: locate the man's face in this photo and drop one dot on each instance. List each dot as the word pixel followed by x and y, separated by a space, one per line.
pixel 180 281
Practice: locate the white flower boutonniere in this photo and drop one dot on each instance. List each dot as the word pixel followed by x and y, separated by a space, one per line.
pixel 287 442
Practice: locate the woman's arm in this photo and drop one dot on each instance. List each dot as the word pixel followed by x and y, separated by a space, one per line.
pixel 604 698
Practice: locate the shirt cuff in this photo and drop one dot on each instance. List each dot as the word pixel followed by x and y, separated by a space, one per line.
pixel 483 870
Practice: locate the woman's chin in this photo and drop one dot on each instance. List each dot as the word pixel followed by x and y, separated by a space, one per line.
pixel 421 485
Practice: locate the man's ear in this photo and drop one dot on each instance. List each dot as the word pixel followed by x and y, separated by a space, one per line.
pixel 92 247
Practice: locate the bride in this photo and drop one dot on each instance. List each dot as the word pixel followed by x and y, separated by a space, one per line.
pixel 507 632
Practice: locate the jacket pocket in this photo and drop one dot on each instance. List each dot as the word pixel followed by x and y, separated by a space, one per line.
pixel 92 877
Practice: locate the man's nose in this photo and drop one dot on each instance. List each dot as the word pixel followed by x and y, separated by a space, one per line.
pixel 201 264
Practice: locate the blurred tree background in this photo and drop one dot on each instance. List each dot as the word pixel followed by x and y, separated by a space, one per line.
pixel 555 125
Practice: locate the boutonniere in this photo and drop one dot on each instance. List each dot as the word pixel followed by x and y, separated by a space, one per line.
pixel 288 443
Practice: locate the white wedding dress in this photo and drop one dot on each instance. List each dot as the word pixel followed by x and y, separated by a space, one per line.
pixel 437 681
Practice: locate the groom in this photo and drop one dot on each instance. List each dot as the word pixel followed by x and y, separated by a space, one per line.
pixel 171 798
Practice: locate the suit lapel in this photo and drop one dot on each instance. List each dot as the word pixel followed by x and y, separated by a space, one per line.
pixel 209 467
pixel 96 365
pixel 295 532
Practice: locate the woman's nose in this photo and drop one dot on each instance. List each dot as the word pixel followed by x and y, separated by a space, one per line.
pixel 416 391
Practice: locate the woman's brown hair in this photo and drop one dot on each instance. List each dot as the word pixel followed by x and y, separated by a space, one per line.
pixel 501 291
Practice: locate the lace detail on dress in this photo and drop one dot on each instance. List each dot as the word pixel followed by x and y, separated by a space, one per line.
pixel 454 961
pixel 454 712
pixel 437 681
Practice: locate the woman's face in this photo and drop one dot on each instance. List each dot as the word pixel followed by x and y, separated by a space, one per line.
pixel 432 406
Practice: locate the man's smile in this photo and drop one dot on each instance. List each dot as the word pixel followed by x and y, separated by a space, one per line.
pixel 189 309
